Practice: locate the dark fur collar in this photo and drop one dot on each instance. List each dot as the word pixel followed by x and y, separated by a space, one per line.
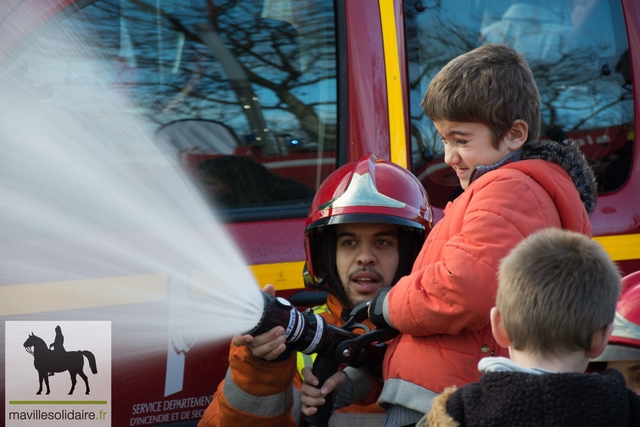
pixel 567 154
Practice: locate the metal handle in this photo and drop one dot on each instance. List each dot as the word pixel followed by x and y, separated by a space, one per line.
pixel 323 367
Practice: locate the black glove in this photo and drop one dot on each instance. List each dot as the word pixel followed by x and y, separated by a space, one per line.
pixel 375 309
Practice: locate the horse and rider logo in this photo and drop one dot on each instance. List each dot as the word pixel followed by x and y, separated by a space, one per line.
pixel 52 359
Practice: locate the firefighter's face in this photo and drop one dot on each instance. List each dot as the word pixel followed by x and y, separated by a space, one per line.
pixel 367 258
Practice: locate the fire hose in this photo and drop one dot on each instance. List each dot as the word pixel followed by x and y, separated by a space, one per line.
pixel 309 333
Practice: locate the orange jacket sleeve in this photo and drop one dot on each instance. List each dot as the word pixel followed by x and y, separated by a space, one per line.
pixel 254 392
pixel 454 281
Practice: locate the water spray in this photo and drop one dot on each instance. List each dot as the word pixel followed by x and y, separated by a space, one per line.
pixel 310 333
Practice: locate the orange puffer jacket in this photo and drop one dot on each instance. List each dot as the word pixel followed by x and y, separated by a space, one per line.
pixel 442 307
pixel 256 392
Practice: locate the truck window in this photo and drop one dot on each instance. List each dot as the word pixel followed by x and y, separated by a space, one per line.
pixel 244 92
pixel 579 55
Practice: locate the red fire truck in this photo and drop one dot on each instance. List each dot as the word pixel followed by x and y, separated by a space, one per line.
pixel 262 99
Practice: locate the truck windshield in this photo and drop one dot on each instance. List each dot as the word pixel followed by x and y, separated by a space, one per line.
pixel 579 55
pixel 243 91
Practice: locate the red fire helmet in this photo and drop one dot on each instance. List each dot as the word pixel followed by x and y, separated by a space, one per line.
pixel 367 191
pixel 624 343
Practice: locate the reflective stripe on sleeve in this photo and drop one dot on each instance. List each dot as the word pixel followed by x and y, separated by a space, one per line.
pixel 296 409
pixel 356 419
pixel 267 406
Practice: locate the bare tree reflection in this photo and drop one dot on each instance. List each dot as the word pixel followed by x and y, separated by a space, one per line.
pixel 223 61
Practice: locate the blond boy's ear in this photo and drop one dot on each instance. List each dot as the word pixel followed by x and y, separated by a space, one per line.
pixel 517 135
pixel 497 327
pixel 599 341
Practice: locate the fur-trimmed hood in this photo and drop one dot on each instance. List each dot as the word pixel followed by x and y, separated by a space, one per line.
pixel 568 155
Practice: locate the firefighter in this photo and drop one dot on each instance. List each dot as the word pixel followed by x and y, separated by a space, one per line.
pixel 366 225
pixel 623 350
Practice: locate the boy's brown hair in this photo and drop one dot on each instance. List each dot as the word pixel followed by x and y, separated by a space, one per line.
pixel 491 84
pixel 556 289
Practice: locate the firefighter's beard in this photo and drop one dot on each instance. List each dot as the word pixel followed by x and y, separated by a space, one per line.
pixel 363 284
pixel 98 220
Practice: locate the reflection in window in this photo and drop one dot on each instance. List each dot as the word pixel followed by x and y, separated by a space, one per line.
pixel 578 52
pixel 251 78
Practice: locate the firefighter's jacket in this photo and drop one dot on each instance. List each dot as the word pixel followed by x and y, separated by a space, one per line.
pixel 442 308
pixel 257 392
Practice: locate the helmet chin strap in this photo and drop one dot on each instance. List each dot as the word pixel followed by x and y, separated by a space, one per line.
pixel 410 245
pixel 328 242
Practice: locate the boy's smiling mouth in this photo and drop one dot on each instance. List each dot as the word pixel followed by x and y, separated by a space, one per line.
pixel 460 171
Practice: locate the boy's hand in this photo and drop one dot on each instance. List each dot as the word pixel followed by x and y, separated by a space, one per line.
pixel 267 346
pixel 311 396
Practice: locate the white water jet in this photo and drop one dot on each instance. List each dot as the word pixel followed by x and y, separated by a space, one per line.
pixel 99 222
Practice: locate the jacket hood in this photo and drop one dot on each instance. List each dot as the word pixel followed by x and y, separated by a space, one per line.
pixel 567 155
pixel 553 179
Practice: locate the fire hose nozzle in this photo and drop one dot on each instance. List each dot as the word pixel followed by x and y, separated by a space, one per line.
pixel 307 332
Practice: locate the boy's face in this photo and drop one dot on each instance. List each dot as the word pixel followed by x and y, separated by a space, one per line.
pixel 630 370
pixel 469 145
pixel 367 258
